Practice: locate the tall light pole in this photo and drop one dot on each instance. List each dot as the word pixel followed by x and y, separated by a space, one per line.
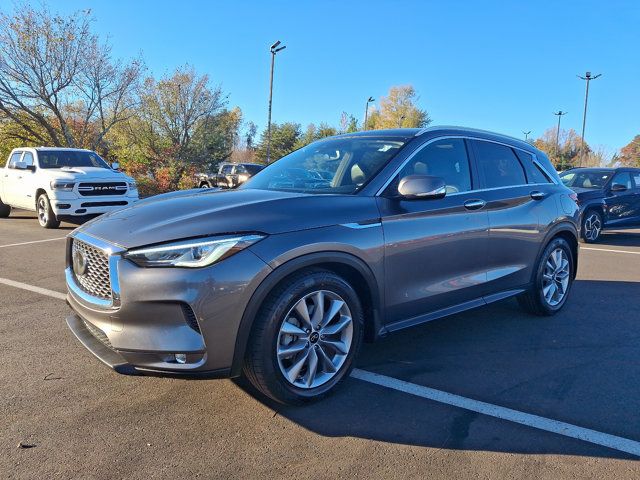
pixel 366 112
pixel 274 49
pixel 559 114
pixel 588 77
pixel 526 135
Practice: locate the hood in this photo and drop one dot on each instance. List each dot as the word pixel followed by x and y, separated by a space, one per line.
pixel 587 193
pixel 84 174
pixel 196 213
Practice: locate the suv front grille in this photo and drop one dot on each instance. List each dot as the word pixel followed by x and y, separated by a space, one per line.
pixel 99 189
pixel 95 280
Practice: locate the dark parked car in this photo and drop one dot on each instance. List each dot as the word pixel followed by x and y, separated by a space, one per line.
pixel 283 282
pixel 608 198
pixel 230 175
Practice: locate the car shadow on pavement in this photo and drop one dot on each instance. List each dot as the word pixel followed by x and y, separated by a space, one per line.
pixel 620 238
pixel 580 367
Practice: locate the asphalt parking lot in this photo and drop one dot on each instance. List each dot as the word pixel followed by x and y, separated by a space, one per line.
pixel 502 380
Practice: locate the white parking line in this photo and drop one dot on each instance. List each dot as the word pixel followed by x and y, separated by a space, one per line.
pixel 610 250
pixel 33 288
pixel 534 421
pixel 29 243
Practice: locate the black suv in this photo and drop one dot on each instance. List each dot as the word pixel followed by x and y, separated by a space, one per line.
pixel 608 198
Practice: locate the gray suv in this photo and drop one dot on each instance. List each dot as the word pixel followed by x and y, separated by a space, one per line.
pixel 282 280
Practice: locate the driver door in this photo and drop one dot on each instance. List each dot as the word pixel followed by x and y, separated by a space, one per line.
pixel 435 249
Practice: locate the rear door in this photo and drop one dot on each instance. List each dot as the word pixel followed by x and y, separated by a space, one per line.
pixel 621 205
pixel 635 175
pixel 26 187
pixel 435 250
pixel 520 206
pixel 12 180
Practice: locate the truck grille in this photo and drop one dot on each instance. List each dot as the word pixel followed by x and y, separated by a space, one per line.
pixel 100 189
pixel 95 280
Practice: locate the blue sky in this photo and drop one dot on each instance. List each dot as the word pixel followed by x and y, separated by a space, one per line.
pixel 498 65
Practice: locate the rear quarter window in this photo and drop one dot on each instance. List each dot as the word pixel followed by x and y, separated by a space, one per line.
pixel 534 173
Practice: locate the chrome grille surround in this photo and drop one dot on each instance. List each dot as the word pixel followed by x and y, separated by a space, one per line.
pixel 99 286
pixel 96 280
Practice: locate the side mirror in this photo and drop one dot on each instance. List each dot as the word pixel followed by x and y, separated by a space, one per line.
pixel 422 187
pixel 618 187
pixel 115 166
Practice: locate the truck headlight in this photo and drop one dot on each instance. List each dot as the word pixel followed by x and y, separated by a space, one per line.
pixel 195 253
pixel 132 185
pixel 61 185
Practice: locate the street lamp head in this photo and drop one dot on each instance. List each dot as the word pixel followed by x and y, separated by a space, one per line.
pixel 275 45
pixel 371 99
pixel 278 49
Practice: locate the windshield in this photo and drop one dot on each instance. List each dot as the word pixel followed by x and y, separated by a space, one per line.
pixel 337 165
pixel 585 178
pixel 70 159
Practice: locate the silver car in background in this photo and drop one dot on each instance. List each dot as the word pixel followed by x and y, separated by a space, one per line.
pixel 283 278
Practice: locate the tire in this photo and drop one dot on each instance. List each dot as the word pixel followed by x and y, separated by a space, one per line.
pixel 5 209
pixel 46 217
pixel 281 328
pixel 205 185
pixel 592 224
pixel 553 280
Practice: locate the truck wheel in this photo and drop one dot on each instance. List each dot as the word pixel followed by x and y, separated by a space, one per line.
pixel 46 217
pixel 205 185
pixel 5 209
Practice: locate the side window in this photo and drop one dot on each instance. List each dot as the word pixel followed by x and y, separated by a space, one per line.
pixel 226 169
pixel 15 158
pixel 622 178
pixel 636 179
pixel 534 173
pixel 445 158
pixel 498 165
pixel 28 159
pixel 240 169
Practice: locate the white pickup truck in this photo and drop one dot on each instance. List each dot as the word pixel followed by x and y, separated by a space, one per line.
pixel 62 183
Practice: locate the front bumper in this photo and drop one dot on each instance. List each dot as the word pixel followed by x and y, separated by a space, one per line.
pixel 70 205
pixel 160 312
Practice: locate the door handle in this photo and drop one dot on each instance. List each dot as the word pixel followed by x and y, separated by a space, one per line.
pixel 474 204
pixel 536 195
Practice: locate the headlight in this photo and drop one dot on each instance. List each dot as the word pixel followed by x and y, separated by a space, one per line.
pixel 62 185
pixel 132 185
pixel 191 253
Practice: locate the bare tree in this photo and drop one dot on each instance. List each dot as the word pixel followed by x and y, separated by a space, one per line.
pixel 58 83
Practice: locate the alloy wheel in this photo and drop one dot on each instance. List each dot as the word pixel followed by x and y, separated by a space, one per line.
pixel 43 211
pixel 314 340
pixel 592 227
pixel 555 278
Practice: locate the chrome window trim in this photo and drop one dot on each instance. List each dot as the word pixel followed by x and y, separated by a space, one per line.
pixel 114 254
pixel 467 137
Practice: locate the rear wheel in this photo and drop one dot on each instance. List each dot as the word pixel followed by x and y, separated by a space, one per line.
pixel 591 226
pixel 553 280
pixel 305 338
pixel 5 209
pixel 46 216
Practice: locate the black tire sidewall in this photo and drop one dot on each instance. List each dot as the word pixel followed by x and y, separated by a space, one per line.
pixel 556 243
pixel 285 301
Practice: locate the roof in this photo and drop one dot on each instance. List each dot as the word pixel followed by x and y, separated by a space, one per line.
pixel 55 149
pixel 408 133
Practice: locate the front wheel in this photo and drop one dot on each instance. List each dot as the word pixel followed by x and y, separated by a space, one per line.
pixel 553 280
pixel 46 216
pixel 5 209
pixel 305 338
pixel 591 226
